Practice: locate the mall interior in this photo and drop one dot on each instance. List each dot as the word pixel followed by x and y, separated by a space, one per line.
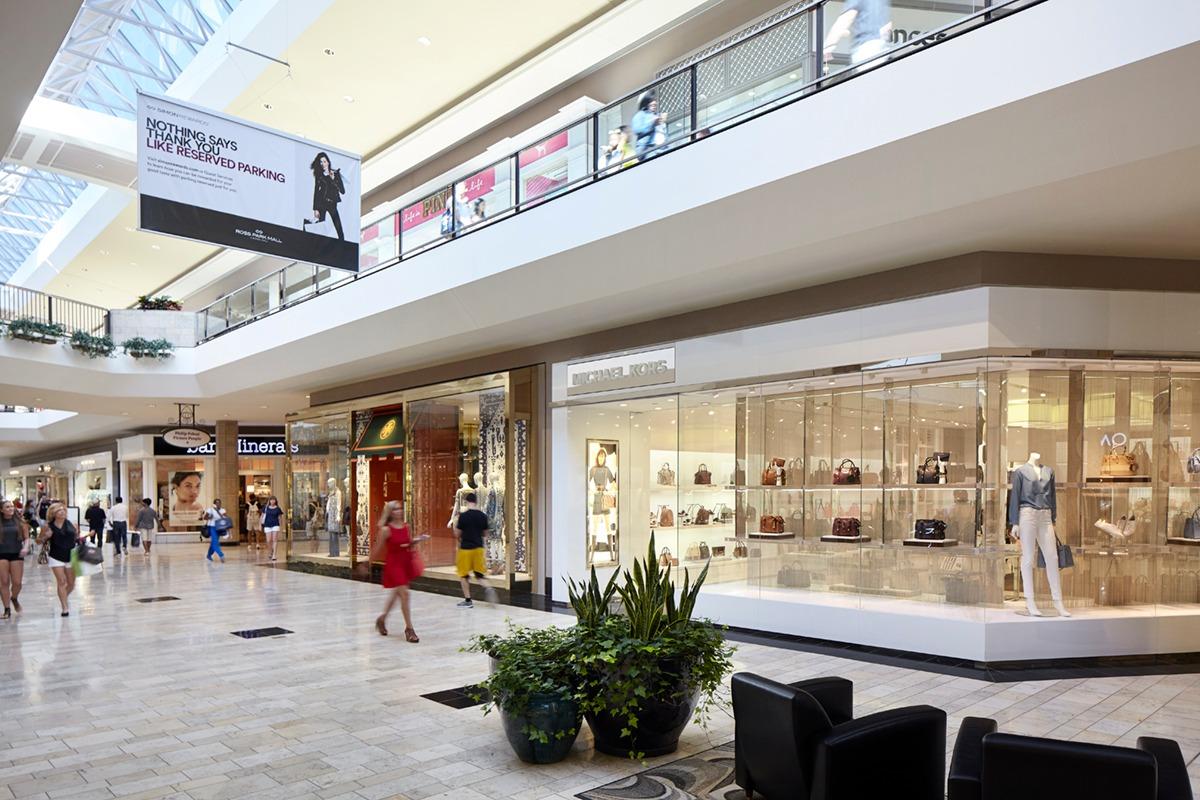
pixel 883 313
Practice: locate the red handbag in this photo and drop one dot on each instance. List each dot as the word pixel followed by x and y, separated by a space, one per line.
pixel 847 474
pixel 846 526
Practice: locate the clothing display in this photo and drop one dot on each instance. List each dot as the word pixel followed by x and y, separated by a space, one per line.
pixel 1032 487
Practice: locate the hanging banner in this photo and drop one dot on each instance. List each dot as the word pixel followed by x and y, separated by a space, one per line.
pixel 216 179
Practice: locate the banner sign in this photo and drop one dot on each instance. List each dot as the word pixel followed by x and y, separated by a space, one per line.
pixel 644 368
pixel 216 179
pixel 247 445
pixel 479 184
pixel 186 437
pixel 542 149
pixel 424 210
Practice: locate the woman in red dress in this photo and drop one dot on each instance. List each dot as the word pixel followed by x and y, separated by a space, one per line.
pixel 395 547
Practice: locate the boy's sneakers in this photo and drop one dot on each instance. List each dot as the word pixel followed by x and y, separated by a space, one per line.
pixel 490 595
pixel 466 603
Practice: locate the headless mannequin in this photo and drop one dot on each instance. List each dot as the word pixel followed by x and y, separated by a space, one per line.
pixel 1035 529
pixel 333 516
pixel 460 498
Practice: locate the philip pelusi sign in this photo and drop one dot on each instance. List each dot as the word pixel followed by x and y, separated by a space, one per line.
pixel 221 180
pixel 647 368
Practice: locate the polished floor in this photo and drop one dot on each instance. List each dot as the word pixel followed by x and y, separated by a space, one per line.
pixel 159 700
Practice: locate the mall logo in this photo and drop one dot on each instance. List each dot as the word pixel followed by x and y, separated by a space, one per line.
pixel 622 372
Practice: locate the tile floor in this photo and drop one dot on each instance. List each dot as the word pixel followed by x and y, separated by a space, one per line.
pixel 159 700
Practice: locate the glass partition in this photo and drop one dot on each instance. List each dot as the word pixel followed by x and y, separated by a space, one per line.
pixel 554 163
pixel 486 195
pixel 427 221
pixel 380 243
pixel 318 490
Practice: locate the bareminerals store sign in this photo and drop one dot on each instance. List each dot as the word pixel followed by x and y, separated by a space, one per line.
pixel 647 368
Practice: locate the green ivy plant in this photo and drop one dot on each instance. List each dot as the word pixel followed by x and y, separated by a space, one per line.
pixel 35 330
pixel 147 348
pixel 528 662
pixel 92 346
pixel 160 303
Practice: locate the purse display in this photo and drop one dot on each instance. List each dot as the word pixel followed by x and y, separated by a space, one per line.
pixel 847 475
pixel 771 523
pixel 847 526
pixel 1066 558
pixel 1191 526
pixel 666 517
pixel 718 551
pixel 1117 463
pixel 703 477
pixel 702 516
pixel 1193 462
pixel 723 513
pixel 665 559
pixel 666 475
pixel 775 473
pixel 822 474
pixel 929 529
pixel 739 550
pixel 693 552
pixel 795 577
pixel 928 472
pixel 705 553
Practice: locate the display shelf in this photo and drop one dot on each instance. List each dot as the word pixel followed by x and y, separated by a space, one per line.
pixel 910 486
pixel 752 488
pixel 1132 479
pixel 911 542
pixel 771 536
pixel 1183 541
pixel 845 539
pixel 695 487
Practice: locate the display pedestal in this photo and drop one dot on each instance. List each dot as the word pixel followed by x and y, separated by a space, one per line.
pixel 845 539
pixel 760 535
pixel 1181 540
pixel 930 542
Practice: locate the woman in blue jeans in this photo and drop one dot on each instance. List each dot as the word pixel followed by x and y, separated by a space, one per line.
pixel 214 533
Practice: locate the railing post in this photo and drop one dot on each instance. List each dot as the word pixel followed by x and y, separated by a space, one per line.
pixel 818 37
pixel 49 309
pixel 107 324
pixel 517 182
pixel 695 107
pixel 596 144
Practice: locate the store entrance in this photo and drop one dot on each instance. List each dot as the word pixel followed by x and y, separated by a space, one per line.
pixel 386 483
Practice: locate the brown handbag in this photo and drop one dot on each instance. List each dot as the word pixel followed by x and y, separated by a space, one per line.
pixel 665 559
pixel 703 516
pixel 771 523
pixel 846 526
pixel 739 550
pixel 703 477
pixel 850 474
pixel 775 474
pixel 666 517
pixel 1117 463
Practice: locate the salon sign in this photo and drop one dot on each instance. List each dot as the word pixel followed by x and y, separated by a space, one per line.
pixel 646 368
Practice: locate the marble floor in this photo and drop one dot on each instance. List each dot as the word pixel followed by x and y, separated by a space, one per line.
pixel 158 700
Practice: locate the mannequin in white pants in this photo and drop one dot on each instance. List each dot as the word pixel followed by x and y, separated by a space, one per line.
pixel 1032 514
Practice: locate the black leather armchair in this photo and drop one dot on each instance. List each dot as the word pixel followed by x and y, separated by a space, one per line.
pixel 987 765
pixel 800 742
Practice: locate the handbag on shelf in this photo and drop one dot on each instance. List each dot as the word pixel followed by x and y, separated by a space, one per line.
pixel 1193 462
pixel 1066 558
pixel 705 553
pixel 771 523
pixel 739 550
pixel 822 474
pixel 793 577
pixel 847 475
pixel 702 517
pixel 703 477
pixel 723 513
pixel 847 526
pixel 666 475
pixel 693 552
pixel 1141 457
pixel 1117 463
pixel 928 472
pixel 666 517
pixel 665 559
pixel 929 530
pixel 1191 526
pixel 718 551
pixel 775 473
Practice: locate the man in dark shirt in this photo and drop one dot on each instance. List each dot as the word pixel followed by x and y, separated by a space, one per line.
pixel 470 528
pixel 95 517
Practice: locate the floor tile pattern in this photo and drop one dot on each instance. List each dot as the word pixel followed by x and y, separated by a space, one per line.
pixel 131 700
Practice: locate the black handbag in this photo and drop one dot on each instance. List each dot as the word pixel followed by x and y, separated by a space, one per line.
pixel 90 554
pixel 704 551
pixel 135 539
pixel 928 472
pixel 703 477
pixel 929 530
pixel 1066 558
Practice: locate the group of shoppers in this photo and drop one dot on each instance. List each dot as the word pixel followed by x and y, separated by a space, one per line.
pixel 116 520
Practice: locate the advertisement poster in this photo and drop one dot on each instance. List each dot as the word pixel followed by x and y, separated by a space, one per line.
pixel 602 505
pixel 183 492
pixel 216 179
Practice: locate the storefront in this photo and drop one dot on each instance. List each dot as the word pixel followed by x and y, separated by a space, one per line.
pixel 867 501
pixel 428 448
pixel 76 481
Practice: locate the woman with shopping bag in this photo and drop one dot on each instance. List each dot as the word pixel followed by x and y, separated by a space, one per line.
pixel 62 537
pixel 218 524
pixel 394 546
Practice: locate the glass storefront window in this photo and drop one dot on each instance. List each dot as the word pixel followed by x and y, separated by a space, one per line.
pixel 426 221
pixel 550 165
pixel 319 489
pixel 485 195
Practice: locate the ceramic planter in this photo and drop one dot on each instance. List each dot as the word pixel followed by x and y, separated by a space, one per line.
pixel 548 713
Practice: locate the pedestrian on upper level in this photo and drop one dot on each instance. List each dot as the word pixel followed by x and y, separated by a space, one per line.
pixel 869 24
pixel 95 518
pixel 649 127
pixel 118 517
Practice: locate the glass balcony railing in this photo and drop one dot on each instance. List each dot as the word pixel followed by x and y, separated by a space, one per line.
pixel 795 53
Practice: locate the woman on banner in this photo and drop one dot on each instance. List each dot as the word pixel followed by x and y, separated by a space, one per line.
pixel 327 193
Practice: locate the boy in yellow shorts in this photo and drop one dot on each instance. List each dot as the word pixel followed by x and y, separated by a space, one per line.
pixel 471 526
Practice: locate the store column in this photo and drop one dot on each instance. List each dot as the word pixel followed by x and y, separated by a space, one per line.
pixel 227 481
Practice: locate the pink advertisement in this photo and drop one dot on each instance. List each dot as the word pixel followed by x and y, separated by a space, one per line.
pixel 429 208
pixel 479 184
pixel 542 149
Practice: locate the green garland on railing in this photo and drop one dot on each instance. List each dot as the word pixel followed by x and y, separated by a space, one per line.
pixel 147 348
pixel 92 346
pixel 32 330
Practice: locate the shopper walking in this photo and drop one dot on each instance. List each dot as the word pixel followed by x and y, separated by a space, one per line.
pixel 272 517
pixel 146 524
pixel 96 518
pixel 118 517
pixel 470 528
pixel 254 524
pixel 14 545
pixel 649 127
pixel 212 518
pixel 869 24
pixel 63 537
pixel 401 564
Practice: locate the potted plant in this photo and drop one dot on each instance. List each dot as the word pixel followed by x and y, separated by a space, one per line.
pixel 649 668
pixel 147 348
pixel 159 303
pixel 533 684
pixel 32 330
pixel 92 346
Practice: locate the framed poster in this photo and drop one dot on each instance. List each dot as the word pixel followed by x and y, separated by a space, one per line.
pixel 603 506
pixel 183 491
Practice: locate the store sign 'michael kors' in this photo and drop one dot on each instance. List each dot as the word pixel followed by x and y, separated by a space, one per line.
pixel 622 372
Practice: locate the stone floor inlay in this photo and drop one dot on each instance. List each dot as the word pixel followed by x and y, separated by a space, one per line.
pixel 143 701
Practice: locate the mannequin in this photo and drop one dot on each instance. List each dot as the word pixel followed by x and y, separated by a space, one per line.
pixel 1032 512
pixel 491 502
pixel 460 501
pixel 333 516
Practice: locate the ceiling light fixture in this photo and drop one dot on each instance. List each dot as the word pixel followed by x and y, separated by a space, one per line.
pixel 349 98
pixel 424 41
pixel 329 51
pixel 267 106
pixel 155 247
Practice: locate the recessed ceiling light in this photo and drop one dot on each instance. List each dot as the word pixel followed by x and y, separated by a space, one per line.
pixel 151 405
pixel 424 41
pixel 37 399
pixel 128 229
pixel 349 98
pixel 133 263
pixel 262 406
pixel 329 51
pixel 124 413
pixel 155 247
pixel 103 252
pixel 267 106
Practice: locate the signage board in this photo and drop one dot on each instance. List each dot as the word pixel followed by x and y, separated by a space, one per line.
pixel 645 368
pixel 222 180
pixel 186 437
pixel 248 445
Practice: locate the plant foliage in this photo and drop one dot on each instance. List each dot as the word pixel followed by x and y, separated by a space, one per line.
pixel 147 348
pixel 35 330
pixel 591 603
pixel 159 303
pixel 92 346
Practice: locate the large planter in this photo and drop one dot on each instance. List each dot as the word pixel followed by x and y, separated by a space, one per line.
pixel 550 714
pixel 660 723
pixel 35 337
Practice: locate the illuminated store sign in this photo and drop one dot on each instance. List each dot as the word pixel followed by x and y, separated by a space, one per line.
pixel 647 368
pixel 248 445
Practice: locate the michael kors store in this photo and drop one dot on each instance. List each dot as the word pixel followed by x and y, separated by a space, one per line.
pixel 890 476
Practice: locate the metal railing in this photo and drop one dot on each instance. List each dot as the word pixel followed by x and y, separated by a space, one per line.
pixel 774 67
pixel 17 302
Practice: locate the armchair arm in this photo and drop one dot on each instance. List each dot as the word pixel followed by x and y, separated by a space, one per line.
pixel 861 759
pixel 1173 782
pixel 965 781
pixel 836 696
